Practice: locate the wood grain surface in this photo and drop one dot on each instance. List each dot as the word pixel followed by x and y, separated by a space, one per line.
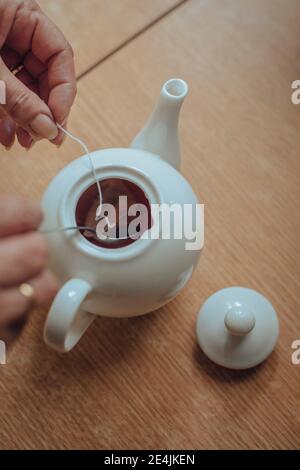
pixel 95 28
pixel 144 383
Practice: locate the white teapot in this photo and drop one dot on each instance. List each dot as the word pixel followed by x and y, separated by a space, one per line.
pixel 117 278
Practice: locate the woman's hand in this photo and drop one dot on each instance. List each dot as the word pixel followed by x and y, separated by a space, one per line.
pixel 23 259
pixel 37 67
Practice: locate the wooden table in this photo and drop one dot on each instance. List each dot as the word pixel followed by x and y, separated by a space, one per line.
pixel 98 28
pixel 144 383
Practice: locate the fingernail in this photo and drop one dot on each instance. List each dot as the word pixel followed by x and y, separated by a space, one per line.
pixel 43 126
pixel 30 146
pixel 62 141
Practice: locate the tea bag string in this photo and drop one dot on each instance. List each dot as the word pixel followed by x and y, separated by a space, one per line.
pixel 88 153
pixel 85 148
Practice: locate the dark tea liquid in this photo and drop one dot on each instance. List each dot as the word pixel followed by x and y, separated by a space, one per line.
pixel 112 189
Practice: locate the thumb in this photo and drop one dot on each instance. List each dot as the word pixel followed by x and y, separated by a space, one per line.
pixel 26 108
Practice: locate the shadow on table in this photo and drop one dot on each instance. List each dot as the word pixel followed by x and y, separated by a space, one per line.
pixel 106 345
pixel 222 374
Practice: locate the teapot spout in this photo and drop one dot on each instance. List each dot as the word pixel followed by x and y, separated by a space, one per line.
pixel 160 134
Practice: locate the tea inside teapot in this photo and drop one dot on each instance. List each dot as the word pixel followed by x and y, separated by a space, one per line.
pixel 88 213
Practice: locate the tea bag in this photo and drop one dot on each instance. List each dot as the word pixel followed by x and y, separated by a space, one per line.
pixel 112 189
pixel 108 192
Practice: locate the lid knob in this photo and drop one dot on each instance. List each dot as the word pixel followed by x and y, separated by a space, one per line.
pixel 239 320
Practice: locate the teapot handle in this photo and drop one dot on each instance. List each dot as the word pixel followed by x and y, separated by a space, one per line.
pixel 66 322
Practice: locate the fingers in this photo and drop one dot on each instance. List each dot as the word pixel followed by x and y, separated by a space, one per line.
pixel 26 108
pixel 22 257
pixel 45 288
pixel 62 85
pixel 10 57
pixel 25 139
pixel 58 55
pixel 7 130
pixel 34 66
pixel 18 215
pixel 28 35
pixel 13 304
pixel 8 127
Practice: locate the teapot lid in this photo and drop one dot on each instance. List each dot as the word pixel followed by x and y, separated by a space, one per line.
pixel 237 328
